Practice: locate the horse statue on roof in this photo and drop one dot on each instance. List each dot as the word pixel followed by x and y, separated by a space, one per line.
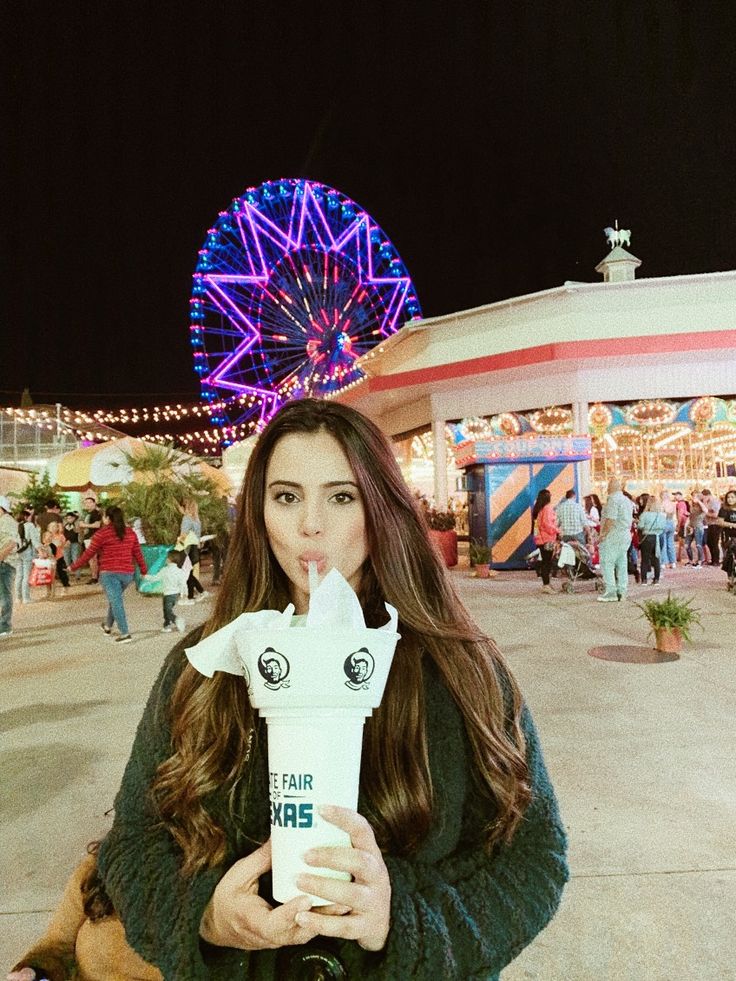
pixel 617 236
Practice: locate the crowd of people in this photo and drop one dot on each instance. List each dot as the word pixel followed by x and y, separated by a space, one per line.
pixel 47 548
pixel 639 536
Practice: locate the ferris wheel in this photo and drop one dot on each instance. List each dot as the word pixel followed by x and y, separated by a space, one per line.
pixel 293 284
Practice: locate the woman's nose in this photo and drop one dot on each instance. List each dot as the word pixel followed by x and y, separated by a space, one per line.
pixel 312 520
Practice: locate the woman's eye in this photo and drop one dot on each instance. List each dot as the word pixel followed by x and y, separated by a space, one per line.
pixel 343 497
pixel 286 497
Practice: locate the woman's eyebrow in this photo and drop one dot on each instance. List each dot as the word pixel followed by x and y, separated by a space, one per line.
pixel 330 483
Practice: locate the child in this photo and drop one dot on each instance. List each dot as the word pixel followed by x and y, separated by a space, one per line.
pixel 45 551
pixel 173 580
pixel 57 543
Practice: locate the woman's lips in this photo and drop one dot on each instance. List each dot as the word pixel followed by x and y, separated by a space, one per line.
pixel 317 558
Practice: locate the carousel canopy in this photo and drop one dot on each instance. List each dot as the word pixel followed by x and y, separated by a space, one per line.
pixel 113 463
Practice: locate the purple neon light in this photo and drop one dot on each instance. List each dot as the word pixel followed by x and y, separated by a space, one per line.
pixel 294 283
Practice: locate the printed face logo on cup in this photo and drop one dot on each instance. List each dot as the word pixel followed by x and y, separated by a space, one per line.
pixel 274 669
pixel 358 668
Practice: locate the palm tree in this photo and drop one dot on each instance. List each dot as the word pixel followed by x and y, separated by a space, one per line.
pixel 163 481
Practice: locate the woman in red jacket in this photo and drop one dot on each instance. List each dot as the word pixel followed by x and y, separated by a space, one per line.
pixel 546 532
pixel 119 551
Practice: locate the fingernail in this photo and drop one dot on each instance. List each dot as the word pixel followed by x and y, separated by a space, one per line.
pixel 308 856
pixel 301 919
pixel 325 810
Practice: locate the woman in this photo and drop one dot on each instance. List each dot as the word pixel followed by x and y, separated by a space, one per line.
pixel 727 524
pixel 118 551
pixel 190 532
pixel 593 508
pixel 58 543
pixel 651 524
pixel 682 514
pixel 458 851
pixel 29 539
pixel 667 538
pixel 546 533
pixel 695 534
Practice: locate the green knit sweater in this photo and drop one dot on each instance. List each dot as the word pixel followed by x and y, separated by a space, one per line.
pixel 456 912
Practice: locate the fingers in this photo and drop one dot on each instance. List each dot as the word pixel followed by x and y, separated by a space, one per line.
pixel 352 894
pixel 335 909
pixel 360 831
pixel 282 927
pixel 363 866
pixel 351 927
pixel 243 872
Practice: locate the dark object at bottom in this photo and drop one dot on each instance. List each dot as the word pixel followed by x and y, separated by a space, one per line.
pixel 631 655
pixel 310 964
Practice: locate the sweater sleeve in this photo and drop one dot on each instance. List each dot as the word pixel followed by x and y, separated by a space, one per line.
pixel 469 915
pixel 138 556
pixel 139 860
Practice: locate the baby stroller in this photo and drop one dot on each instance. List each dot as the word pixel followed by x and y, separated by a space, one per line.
pixel 576 564
pixel 729 563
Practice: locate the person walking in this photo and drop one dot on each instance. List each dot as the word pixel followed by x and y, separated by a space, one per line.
pixel 173 581
pixel 190 532
pixel 29 540
pixel 118 551
pixel 58 544
pixel 651 524
pixel 546 533
pixel 614 543
pixel 695 534
pixel 727 526
pixel 572 519
pixel 667 552
pixel 712 507
pixel 8 565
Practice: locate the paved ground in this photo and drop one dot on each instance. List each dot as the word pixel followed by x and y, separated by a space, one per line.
pixel 641 755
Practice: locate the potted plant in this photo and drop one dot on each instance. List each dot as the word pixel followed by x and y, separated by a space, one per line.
pixel 671 620
pixel 480 557
pixel 442 531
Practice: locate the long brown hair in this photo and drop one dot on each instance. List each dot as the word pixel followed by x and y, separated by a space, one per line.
pixel 115 517
pixel 402 569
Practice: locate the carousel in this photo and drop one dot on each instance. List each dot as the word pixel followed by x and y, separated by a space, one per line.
pixel 651 444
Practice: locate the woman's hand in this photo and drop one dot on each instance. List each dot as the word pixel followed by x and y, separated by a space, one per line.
pixel 367 898
pixel 237 916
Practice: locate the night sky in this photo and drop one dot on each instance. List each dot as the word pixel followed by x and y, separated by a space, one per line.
pixel 492 141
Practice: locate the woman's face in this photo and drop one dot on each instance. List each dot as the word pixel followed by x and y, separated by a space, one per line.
pixel 731 499
pixel 313 511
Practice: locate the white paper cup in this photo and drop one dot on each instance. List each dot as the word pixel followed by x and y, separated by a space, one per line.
pixel 315 690
pixel 311 761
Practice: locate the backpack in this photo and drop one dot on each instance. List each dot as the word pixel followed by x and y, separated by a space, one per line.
pixel 24 542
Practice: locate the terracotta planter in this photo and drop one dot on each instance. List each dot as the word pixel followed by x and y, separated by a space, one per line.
pixel 667 640
pixel 482 570
pixel 446 543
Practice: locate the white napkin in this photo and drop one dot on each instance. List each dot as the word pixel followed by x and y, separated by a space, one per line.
pixel 333 605
pixel 219 651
